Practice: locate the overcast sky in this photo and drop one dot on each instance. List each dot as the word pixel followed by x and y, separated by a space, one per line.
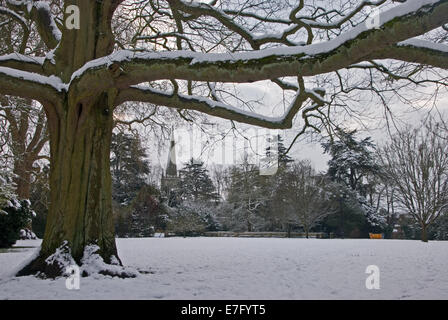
pixel 231 150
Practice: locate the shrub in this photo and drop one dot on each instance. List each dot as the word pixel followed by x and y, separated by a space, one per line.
pixel 14 216
pixel 192 219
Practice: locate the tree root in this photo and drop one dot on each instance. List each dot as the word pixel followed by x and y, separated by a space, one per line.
pixel 91 265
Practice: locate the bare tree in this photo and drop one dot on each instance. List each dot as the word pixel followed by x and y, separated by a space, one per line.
pixel 219 173
pixel 186 56
pixel 416 162
pixel 27 132
pixel 24 131
pixel 245 192
pixel 305 194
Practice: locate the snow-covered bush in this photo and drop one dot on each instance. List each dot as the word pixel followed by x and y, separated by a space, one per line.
pixel 27 234
pixel 6 191
pixel 192 218
pixel 14 216
pixel 439 230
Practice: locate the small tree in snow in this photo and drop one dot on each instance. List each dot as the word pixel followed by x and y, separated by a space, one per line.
pixel 306 198
pixel 416 160
pixel 247 193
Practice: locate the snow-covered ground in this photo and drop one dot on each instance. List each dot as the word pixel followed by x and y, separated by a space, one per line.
pixel 241 268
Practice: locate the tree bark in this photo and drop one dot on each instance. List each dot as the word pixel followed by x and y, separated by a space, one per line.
pixel 80 124
pixel 22 170
pixel 249 225
pixel 424 233
pixel 80 212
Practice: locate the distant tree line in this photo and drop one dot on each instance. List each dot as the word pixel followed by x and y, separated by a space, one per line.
pixel 399 190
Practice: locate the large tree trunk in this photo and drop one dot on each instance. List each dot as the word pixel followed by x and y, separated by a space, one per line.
pixel 80 127
pixel 80 212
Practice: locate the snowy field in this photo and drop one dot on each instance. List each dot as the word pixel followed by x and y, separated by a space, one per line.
pixel 241 268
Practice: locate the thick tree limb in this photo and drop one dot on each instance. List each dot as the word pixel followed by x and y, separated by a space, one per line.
pixel 215 108
pixel 358 45
pixel 22 62
pixel 417 51
pixel 29 85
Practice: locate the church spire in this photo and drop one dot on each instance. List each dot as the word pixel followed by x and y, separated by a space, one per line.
pixel 171 167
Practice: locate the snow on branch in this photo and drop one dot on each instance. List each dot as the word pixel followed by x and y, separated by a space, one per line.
pixel 419 43
pixel 294 23
pixel 52 81
pixel 22 62
pixel 345 18
pixel 220 109
pixel 123 69
pixel 40 13
pixel 357 45
pixel 29 84
pixel 415 51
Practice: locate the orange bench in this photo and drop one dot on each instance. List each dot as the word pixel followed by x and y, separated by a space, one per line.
pixel 376 235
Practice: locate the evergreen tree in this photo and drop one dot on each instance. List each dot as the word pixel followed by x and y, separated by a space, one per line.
pixel 353 164
pixel 147 213
pixel 193 218
pixel 283 158
pixel 348 219
pixel 129 167
pixel 277 155
pixel 122 220
pixel 274 211
pixel 352 161
pixel 195 183
pixel 15 215
pixel 6 188
pixel 439 230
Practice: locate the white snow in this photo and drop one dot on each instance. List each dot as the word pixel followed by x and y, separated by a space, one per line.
pixel 425 44
pixel 93 264
pixel 53 81
pixel 62 257
pixel 250 268
pixel 39 5
pixel 42 5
